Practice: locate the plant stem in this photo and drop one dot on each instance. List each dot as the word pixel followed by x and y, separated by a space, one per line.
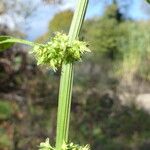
pixel 66 81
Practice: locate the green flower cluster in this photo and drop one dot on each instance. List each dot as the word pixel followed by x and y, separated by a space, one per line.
pixel 46 146
pixel 59 50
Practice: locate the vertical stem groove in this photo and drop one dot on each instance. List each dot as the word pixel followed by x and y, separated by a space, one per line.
pixel 66 81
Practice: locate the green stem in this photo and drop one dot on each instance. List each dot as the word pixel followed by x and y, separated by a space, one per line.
pixel 66 81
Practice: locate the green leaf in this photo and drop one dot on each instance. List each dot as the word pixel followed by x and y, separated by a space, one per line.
pixel 5 110
pixel 4 46
pixel 148 1
pixel 8 41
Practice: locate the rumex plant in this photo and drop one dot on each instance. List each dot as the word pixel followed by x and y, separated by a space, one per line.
pixel 61 51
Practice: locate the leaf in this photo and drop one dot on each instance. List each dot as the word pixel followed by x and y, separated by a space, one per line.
pixel 148 1
pixel 4 46
pixel 8 41
pixel 5 110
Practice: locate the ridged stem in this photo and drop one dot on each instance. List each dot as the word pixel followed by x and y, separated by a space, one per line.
pixel 66 81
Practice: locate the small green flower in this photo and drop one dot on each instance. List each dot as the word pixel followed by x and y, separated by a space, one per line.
pixel 64 146
pixel 59 50
pixel 45 145
pixel 71 146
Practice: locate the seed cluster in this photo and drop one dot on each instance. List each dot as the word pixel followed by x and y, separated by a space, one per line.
pixel 59 50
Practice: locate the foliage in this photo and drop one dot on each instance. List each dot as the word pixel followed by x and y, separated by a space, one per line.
pixel 148 1
pixel 56 25
pixel 7 45
pixel 135 51
pixel 4 140
pixel 105 34
pixel 5 110
pixel 120 42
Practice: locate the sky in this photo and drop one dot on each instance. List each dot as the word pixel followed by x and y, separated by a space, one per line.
pixel 45 13
pixel 37 24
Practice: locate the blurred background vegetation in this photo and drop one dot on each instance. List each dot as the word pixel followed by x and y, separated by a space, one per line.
pixel 111 93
